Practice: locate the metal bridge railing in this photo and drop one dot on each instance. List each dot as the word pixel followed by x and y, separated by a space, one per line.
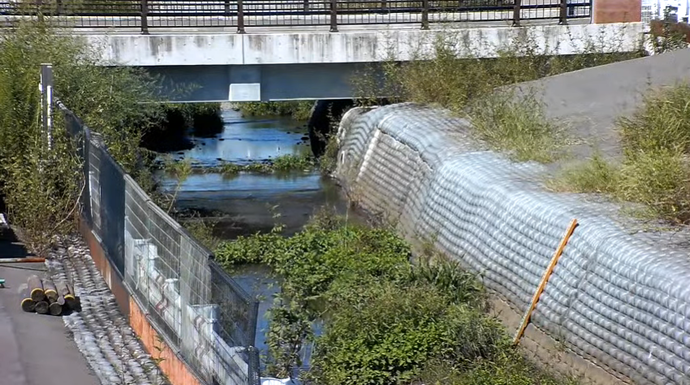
pixel 239 14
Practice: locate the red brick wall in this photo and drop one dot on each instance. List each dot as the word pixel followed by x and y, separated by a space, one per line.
pixel 616 11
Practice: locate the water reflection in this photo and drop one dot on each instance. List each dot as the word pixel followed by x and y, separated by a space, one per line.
pixel 245 140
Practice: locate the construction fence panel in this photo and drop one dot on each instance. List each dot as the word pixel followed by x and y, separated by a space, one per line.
pixel 194 305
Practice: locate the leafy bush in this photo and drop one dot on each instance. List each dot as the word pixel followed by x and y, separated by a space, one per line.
pixel 385 320
pixel 41 185
pixel 383 333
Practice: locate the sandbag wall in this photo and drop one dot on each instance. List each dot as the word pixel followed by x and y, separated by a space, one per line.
pixel 617 299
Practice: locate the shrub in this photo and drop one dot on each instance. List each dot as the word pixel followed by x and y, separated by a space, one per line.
pixel 383 333
pixel 385 320
pixel 41 185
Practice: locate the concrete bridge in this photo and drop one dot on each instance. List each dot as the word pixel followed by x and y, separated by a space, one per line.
pixel 252 50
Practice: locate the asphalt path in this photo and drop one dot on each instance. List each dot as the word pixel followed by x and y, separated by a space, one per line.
pixel 34 349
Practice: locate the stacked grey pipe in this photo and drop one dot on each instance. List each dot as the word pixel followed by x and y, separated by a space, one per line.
pixel 615 298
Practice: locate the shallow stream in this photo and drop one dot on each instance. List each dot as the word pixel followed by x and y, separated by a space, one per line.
pixel 247 203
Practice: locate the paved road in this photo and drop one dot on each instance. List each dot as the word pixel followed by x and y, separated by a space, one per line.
pixel 34 349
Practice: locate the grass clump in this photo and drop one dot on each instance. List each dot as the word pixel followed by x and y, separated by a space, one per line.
pixel 293 162
pixel 595 176
pixel 202 230
pixel 298 110
pixel 282 164
pixel 655 170
pixel 661 181
pixel 661 123
pixel 452 76
pixel 517 126
pixel 385 320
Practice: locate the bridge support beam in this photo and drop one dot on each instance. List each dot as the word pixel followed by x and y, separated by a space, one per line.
pixel 274 82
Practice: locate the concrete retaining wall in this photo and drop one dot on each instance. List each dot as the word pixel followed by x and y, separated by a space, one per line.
pixel 614 298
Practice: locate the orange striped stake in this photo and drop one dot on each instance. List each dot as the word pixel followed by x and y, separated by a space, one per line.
pixel 544 280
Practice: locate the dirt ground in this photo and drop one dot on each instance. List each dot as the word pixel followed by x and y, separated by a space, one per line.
pixel 34 349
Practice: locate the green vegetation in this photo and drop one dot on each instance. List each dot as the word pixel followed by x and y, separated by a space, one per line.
pixel 41 186
pixel 453 77
pixel 298 110
pixel 595 175
pixel 518 126
pixel 281 165
pixel 387 321
pixel 655 170
pixel 292 162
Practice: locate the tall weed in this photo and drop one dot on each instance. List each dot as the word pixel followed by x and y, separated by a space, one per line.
pixel 40 185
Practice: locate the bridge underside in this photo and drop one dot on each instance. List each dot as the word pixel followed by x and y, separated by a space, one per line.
pixel 242 83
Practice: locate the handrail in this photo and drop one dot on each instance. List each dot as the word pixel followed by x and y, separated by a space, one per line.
pixel 242 14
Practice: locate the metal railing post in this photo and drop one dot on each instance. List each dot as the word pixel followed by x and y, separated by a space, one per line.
pixel 144 17
pixel 334 15
pixel 563 17
pixel 516 13
pixel 425 14
pixel 39 10
pixel 226 9
pixel 306 6
pixel 240 16
pixel 58 9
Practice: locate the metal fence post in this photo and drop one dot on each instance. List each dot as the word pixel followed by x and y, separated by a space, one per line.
pixel 39 10
pixel 144 17
pixel 563 17
pixel 334 15
pixel 46 87
pixel 240 16
pixel 516 13
pixel 425 14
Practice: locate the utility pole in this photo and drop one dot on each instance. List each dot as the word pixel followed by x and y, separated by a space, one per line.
pixel 46 88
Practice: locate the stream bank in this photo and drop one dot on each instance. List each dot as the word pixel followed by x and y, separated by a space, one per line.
pixel 248 203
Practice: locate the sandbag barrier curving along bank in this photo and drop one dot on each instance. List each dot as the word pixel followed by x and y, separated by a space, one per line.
pixel 617 299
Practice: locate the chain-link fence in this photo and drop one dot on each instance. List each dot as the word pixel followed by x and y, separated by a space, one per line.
pixel 194 305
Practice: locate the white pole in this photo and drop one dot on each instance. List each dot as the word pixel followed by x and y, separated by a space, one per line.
pixel 46 88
